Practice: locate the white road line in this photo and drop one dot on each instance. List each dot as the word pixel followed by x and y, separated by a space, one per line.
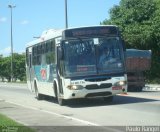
pixel 59 115
pixel 53 113
pixel 23 123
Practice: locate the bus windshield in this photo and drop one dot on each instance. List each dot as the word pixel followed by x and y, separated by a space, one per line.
pixel 93 56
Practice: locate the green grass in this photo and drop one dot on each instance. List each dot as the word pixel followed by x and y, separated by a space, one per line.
pixel 7 125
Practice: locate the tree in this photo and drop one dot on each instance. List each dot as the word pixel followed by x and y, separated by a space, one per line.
pixel 139 21
pixel 5 68
pixel 18 67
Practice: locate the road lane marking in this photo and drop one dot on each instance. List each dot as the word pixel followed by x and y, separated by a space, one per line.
pixel 53 113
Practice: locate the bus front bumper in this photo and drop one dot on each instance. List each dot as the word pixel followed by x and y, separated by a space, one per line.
pixel 84 93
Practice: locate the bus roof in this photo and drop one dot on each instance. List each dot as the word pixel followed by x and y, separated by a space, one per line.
pixel 46 35
pixel 54 33
pixel 92 26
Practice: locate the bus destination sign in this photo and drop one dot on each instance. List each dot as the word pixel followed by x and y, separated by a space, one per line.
pixel 91 31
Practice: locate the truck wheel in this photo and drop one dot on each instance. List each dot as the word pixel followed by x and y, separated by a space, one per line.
pixel 131 89
pixel 108 99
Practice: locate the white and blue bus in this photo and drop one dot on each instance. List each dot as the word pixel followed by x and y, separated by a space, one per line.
pixel 66 63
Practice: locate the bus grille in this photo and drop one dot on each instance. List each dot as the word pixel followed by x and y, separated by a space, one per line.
pixel 100 94
pixel 97 79
pixel 102 86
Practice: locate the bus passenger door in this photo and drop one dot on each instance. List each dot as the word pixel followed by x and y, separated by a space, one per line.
pixel 59 67
pixel 29 69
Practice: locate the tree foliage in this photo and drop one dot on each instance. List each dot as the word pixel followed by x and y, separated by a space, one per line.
pixel 18 67
pixel 139 21
pixel 5 66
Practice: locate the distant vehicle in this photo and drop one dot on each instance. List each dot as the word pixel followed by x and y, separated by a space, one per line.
pixel 137 61
pixel 65 64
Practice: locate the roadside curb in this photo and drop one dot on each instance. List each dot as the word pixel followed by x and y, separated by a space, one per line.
pixel 151 87
pixel 20 85
pixel 13 83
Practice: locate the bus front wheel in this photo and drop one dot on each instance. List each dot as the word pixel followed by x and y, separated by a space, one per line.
pixel 60 100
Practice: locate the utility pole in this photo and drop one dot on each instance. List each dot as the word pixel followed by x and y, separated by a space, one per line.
pixel 66 14
pixel 11 7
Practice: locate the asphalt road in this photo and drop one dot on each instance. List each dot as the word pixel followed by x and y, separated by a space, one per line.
pixel 134 109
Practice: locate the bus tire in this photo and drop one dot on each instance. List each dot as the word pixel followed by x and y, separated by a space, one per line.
pixel 38 95
pixel 108 99
pixel 60 100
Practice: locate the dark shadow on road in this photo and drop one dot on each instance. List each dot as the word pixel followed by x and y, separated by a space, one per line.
pixel 118 100
pixel 129 100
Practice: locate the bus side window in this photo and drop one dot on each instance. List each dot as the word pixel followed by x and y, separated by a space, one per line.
pixel 50 52
pixel 52 56
pixel 27 57
pixel 52 44
pixel 39 49
pixel 43 48
pixel 38 60
pixel 47 47
pixel 33 56
pixel 30 60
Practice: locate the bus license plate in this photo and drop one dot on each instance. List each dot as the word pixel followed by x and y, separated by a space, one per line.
pixel 116 87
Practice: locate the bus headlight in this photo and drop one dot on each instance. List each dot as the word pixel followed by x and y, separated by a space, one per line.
pixel 75 87
pixel 120 83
